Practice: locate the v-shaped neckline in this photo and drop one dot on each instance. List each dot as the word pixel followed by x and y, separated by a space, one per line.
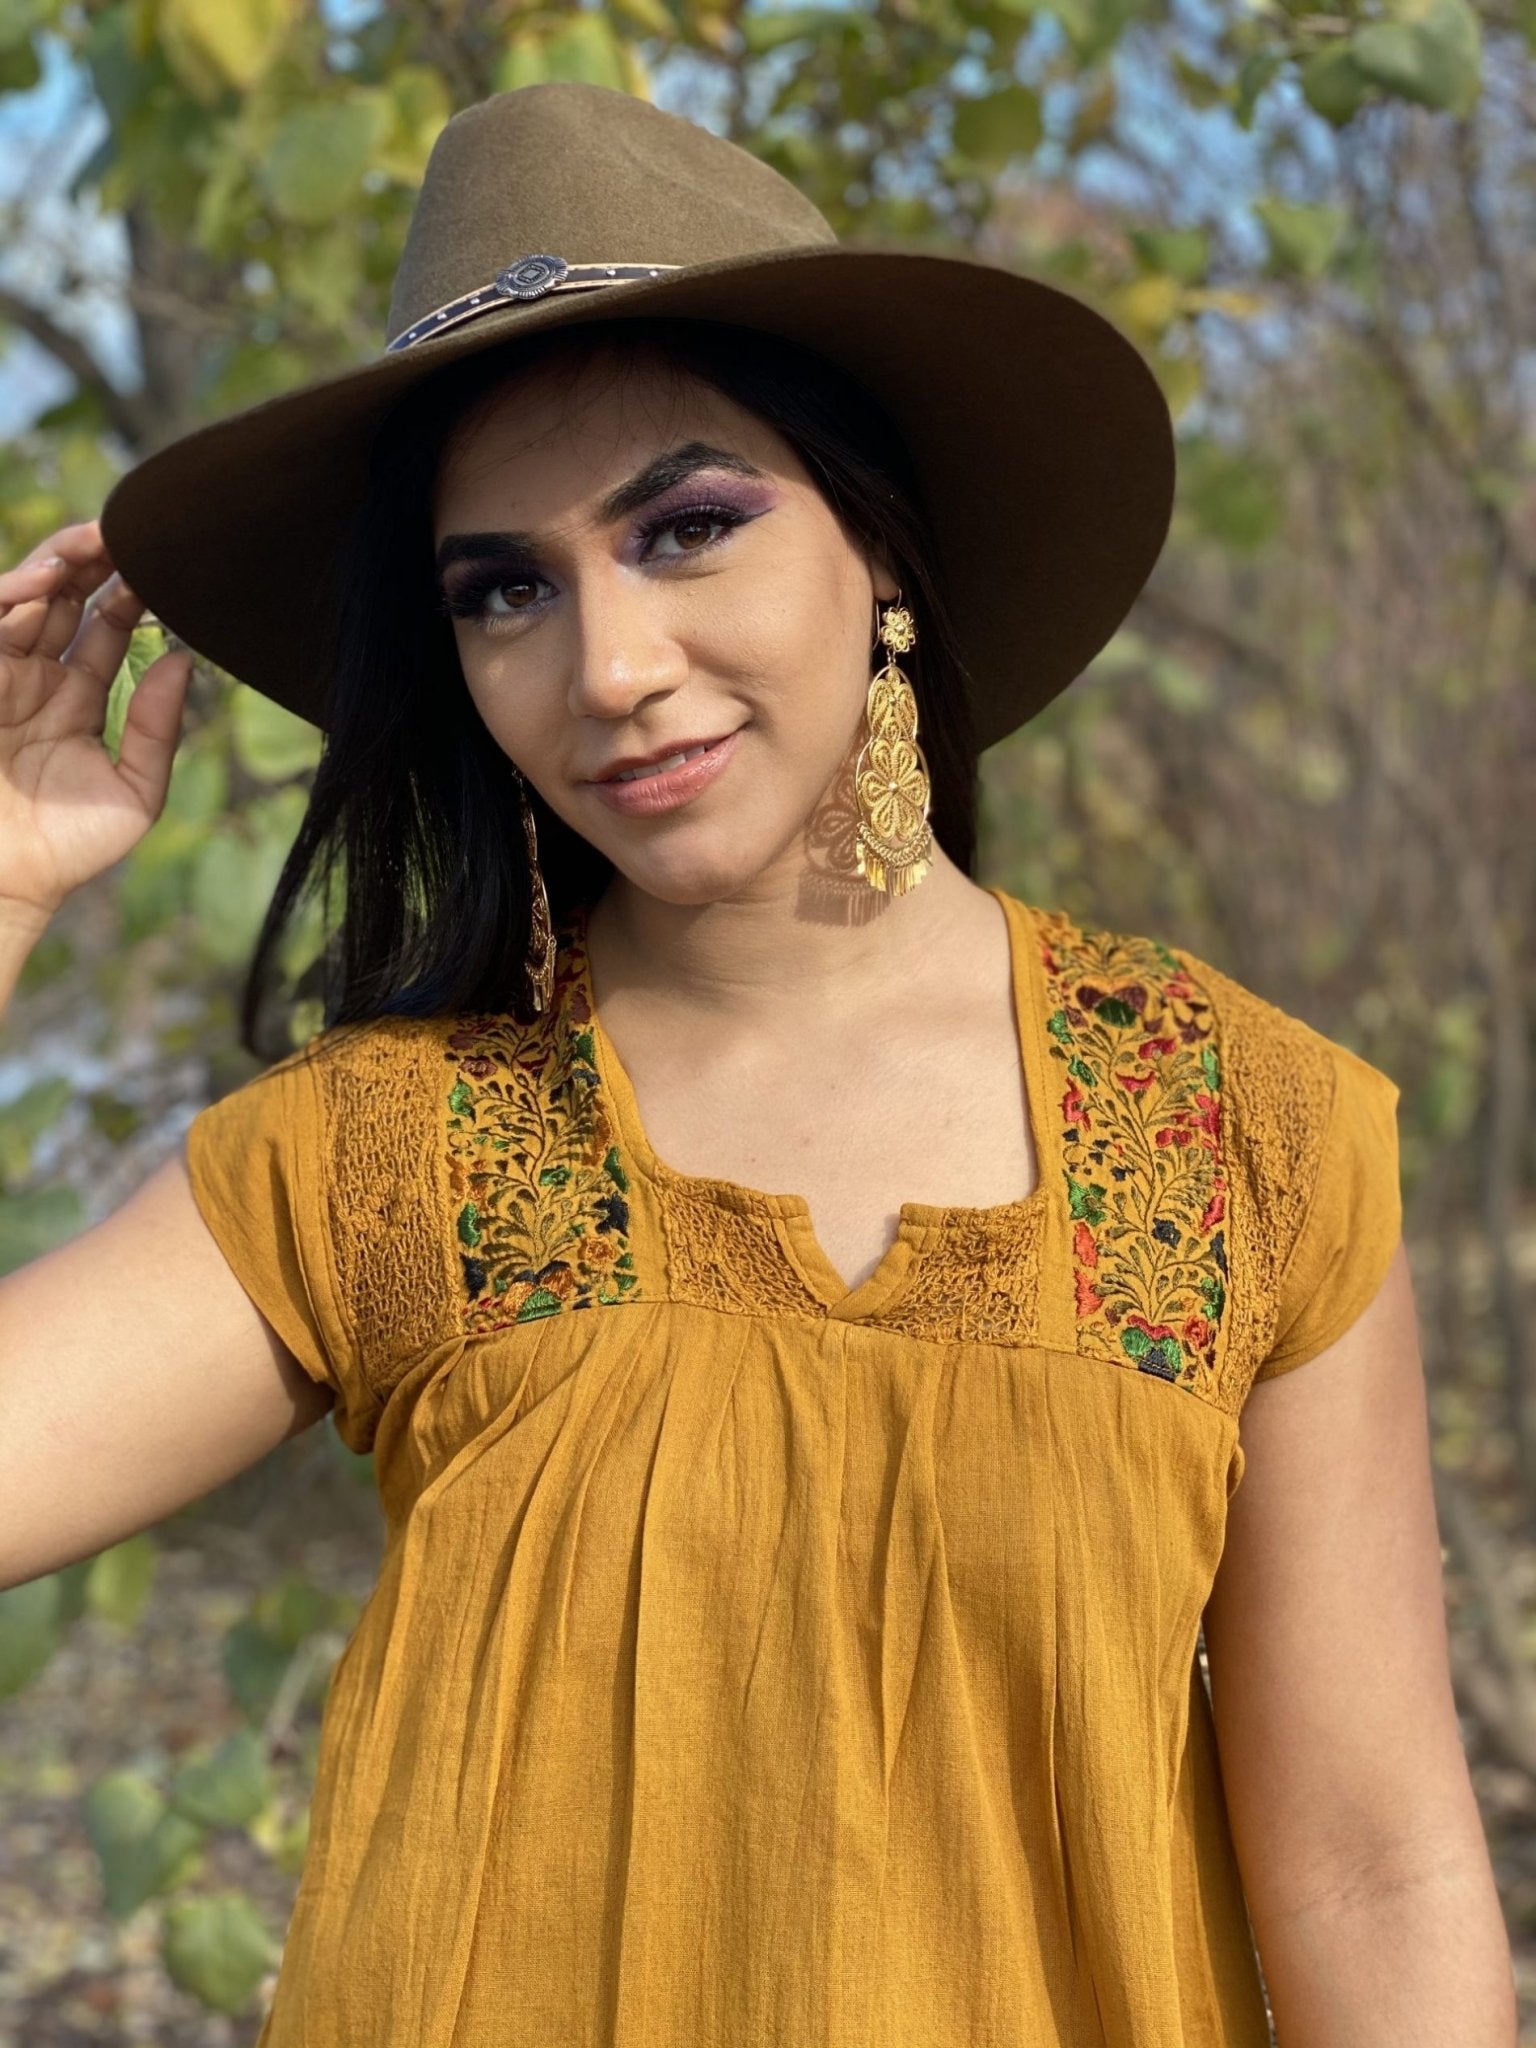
pixel 790 1214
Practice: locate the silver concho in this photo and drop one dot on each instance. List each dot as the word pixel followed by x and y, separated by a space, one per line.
pixel 530 277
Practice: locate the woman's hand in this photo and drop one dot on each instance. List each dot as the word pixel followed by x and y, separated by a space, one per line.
pixel 67 809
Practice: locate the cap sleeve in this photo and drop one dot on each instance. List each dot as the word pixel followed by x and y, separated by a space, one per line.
pixel 1353 1220
pixel 256 1162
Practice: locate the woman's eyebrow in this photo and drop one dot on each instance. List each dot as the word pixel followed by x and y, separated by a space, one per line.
pixel 662 473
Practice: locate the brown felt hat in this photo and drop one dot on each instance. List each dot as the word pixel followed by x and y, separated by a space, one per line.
pixel 1041 438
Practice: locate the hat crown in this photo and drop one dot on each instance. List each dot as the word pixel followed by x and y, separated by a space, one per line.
pixel 591 175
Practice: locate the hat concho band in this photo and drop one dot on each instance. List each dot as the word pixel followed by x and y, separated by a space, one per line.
pixel 530 277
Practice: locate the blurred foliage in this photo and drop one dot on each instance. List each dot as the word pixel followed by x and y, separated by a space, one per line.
pixel 257 161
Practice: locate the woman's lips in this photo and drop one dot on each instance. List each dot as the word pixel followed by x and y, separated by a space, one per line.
pixel 646 796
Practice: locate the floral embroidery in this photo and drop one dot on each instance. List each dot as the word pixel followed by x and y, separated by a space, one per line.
pixel 537 1182
pixel 1142 1143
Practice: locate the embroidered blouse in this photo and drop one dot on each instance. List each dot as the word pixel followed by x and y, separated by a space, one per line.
pixel 758 1660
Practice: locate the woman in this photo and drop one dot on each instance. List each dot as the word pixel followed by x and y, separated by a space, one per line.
pixel 788 1625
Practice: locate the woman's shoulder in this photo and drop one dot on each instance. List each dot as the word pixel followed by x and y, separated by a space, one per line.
pixel 1162 1057
pixel 1128 980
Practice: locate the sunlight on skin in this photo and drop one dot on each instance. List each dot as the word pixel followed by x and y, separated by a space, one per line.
pixel 620 637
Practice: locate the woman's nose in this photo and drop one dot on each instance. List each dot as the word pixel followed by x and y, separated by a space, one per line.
pixel 624 651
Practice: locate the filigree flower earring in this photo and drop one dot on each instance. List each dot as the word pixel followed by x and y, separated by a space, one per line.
pixel 890 777
pixel 541 938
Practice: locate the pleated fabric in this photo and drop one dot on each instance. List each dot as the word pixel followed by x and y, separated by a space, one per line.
pixel 755 1660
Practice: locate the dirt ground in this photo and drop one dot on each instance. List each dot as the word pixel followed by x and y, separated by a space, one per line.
pixel 69 1976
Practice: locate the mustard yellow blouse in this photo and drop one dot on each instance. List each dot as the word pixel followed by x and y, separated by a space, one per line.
pixel 759 1664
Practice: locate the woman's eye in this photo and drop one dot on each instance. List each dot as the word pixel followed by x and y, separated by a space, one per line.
pixel 694 531
pixel 507 598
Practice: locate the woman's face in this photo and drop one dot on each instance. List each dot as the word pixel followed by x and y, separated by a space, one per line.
pixel 638 569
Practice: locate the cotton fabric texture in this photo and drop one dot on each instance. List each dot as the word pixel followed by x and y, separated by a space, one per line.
pixel 755 1660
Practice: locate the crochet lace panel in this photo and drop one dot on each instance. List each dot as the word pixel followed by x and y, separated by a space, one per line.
pixel 1280 1079
pixel 975 1278
pixel 1136 1045
pixel 384 1215
pixel 723 1252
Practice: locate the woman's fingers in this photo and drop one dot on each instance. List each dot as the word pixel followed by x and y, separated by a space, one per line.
pixel 21 625
pixel 62 560
pixel 152 728
pixel 76 545
pixel 42 598
pixel 102 640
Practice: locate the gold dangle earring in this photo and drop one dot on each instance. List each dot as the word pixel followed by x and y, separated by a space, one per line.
pixel 890 777
pixel 541 938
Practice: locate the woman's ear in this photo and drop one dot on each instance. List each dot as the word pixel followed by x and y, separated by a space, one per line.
pixel 885 583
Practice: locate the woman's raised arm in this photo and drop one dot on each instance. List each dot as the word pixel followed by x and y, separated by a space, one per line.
pixel 136 1374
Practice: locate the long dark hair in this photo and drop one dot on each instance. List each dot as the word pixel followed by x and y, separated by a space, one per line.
pixel 414 825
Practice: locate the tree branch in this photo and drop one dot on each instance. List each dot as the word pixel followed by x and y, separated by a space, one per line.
pixel 72 354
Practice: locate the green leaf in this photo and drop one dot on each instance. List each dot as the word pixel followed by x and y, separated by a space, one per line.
pixel 20 68
pixel 1186 690
pixel 26 1118
pixel 199 790
pixel 1333 84
pixel 1234 496
pixel 113 1116
pixel 770 29
pixel 583 49
pixel 227 899
pixel 319 154
pixel 651 17
pixel 295 1608
pixel 1181 253
pixel 226 1789
pixel 34 1223
pixel 419 107
pixel 1199 87
pixel 218 1949
pixel 1093 27
pixel 1253 80
pixel 118 1583
pixel 31 1629
pixel 18 19
pixel 1003 125
pixel 145 644
pixel 236 39
pixel 143 1847
pixel 1302 239
pixel 254 1664
pixel 1430 53
pixel 271 742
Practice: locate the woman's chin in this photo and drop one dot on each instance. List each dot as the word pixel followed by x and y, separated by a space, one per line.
pixel 690 878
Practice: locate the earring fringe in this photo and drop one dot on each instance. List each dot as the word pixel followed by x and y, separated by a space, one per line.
pixel 894 842
pixel 541 937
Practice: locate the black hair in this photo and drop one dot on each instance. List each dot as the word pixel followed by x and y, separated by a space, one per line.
pixel 413 821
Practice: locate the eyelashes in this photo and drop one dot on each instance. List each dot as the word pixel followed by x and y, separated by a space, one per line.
pixel 470 592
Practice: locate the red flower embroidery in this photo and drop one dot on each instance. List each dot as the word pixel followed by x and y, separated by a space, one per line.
pixel 1215 1210
pixel 1136 1082
pixel 1089 1300
pixel 1208 1113
pixel 1083 1244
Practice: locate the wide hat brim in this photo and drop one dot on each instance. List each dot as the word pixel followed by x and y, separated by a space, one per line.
pixel 1040 434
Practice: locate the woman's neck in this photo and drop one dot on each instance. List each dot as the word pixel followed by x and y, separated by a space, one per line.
pixel 759 955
